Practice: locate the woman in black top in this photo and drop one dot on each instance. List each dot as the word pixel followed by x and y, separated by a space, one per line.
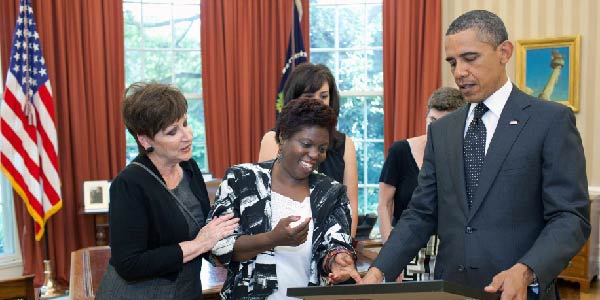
pixel 159 204
pixel 400 170
pixel 309 81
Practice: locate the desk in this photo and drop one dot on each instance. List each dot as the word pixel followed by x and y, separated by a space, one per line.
pixel 17 288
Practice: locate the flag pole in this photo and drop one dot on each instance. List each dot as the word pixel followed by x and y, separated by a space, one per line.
pixel 49 288
pixel 293 34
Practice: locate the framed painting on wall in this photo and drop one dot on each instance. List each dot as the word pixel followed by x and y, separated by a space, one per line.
pixel 549 69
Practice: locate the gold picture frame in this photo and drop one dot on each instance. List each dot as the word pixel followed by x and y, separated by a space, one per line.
pixel 549 68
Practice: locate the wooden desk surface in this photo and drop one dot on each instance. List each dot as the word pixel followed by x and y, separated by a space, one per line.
pixel 213 277
pixel 17 288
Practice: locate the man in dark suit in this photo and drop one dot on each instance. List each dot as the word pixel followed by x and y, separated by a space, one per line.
pixel 503 181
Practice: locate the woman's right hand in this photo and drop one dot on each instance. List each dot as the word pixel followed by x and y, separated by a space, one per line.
pixel 208 236
pixel 285 235
pixel 217 229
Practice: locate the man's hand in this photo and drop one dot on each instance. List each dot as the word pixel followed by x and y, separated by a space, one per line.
pixel 512 282
pixel 374 275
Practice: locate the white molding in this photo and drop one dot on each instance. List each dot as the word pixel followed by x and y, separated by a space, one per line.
pixel 11 269
pixel 594 192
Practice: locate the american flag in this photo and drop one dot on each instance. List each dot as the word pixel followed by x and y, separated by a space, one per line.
pixel 28 145
pixel 296 54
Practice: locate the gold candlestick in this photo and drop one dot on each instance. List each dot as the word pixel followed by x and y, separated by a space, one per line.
pixel 49 289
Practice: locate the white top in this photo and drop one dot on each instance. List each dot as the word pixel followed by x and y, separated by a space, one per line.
pixel 292 263
pixel 495 103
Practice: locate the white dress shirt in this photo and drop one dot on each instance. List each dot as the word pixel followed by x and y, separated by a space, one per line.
pixel 495 103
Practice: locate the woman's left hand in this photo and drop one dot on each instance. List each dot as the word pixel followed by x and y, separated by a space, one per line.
pixel 342 269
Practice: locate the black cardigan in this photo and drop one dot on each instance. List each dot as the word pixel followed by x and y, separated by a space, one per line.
pixel 146 225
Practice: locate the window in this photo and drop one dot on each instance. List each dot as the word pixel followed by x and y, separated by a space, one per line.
pixel 162 43
pixel 7 223
pixel 346 35
pixel 10 256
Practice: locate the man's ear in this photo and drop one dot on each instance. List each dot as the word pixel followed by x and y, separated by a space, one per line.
pixel 506 50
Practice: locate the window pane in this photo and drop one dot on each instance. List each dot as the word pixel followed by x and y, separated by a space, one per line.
pixel 196 121
pixel 374 161
pixel 188 75
pixel 131 152
pixel 350 119
pixel 157 25
pixel 199 155
pixel 352 73
pixel 374 25
pixel 327 58
pixel 322 27
pixel 372 200
pixel 362 204
pixel 158 66
pixel 186 20
pixel 132 22
pixel 360 161
pixel 352 29
pixel 133 67
pixel 374 70
pixel 2 220
pixel 7 220
pixel 374 117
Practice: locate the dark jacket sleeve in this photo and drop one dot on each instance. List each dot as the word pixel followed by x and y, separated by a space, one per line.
pixel 565 198
pixel 130 225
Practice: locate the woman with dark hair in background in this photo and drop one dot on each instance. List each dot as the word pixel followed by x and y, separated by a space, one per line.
pixel 316 81
pixel 294 222
pixel 158 204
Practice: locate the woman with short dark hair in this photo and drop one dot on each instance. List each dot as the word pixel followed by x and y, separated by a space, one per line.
pixel 159 204
pixel 294 222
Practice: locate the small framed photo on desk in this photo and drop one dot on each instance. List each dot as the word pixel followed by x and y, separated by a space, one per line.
pixel 95 196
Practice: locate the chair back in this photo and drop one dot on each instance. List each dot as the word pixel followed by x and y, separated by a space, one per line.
pixel 211 187
pixel 17 288
pixel 87 267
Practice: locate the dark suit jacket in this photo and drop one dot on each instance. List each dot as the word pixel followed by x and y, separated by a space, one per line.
pixel 531 205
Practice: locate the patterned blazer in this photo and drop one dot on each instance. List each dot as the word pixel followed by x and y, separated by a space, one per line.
pixel 246 192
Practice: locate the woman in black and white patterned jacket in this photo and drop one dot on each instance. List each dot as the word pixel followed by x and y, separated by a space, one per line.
pixel 282 205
